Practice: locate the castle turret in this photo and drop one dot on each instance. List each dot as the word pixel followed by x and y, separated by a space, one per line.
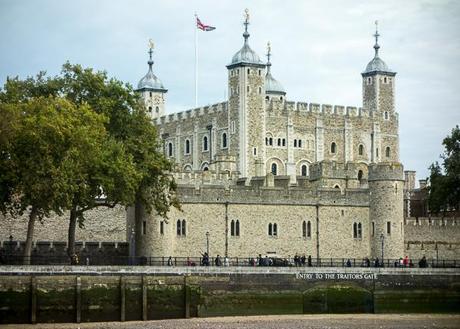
pixel 386 186
pixel 379 98
pixel 152 90
pixel 246 84
pixel 273 88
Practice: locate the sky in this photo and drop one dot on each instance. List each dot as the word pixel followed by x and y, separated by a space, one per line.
pixel 319 49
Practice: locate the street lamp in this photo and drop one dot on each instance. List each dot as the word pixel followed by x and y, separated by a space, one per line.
pixel 382 238
pixel 207 243
pixel 132 247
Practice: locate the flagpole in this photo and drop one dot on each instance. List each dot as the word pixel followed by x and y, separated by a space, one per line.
pixel 196 64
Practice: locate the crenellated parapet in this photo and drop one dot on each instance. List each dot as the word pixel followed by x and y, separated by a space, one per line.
pixel 209 110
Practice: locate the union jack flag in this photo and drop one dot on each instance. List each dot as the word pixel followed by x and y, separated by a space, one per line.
pixel 203 27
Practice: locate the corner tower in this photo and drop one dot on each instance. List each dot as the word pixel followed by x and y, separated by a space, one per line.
pixel 246 90
pixel 386 186
pixel 152 91
pixel 378 83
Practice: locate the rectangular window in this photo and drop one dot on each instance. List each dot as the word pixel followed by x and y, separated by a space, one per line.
pixel 388 228
pixel 144 227
pixel 162 227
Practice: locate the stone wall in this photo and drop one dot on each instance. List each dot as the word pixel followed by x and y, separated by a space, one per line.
pixel 432 237
pixel 101 224
pixel 76 294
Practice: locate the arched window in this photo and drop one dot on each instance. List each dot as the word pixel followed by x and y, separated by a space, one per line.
pixel 284 141
pixel 187 146
pixel 150 109
pixel 281 98
pixel 184 227
pixel 232 228
pixel 237 228
pixel 279 141
pixel 162 227
pixel 386 115
pixel 224 140
pixel 360 149
pixel 249 71
pixel 337 187
pixel 333 147
pixel 309 229
pixel 205 168
pixel 260 90
pixel 170 149
pixel 304 229
pixel 377 152
pixel 385 80
pixel 295 142
pixel 274 168
pixel 355 230
pixel 299 143
pixel 178 227
pixel 304 170
pixel 266 141
pixel 387 152
pixel 267 98
pixel 157 109
pixel 360 175
pixel 270 229
pixel 275 229
pixel 150 94
pixel 270 141
pixel 205 143
pixel 360 231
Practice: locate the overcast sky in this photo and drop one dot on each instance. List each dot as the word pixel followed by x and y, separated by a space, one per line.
pixel 319 50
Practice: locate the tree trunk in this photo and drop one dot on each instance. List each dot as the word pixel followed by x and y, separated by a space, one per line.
pixel 71 237
pixel 30 236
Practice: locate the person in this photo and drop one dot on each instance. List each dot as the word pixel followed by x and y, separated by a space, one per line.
pixel 170 261
pixel 410 263
pixel 401 262
pixel 406 261
pixel 368 262
pixel 218 261
pixel 260 259
pixel 348 262
pixel 302 260
pixel 309 260
pixel 205 260
pixel 377 262
pixel 226 261
pixel 423 263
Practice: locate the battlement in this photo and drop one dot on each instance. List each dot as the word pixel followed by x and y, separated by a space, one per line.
pixel 386 171
pixel 191 113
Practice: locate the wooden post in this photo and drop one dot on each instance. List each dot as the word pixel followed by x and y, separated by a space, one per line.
pixel 78 300
pixel 187 294
pixel 33 300
pixel 144 298
pixel 122 298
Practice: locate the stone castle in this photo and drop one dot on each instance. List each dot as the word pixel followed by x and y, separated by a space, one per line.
pixel 258 174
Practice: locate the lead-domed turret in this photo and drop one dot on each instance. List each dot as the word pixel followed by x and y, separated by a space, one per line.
pixel 377 64
pixel 152 90
pixel 272 86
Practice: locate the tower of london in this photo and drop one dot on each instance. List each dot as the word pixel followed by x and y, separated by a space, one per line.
pixel 261 174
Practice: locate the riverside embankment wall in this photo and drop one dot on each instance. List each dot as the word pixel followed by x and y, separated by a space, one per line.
pixel 86 294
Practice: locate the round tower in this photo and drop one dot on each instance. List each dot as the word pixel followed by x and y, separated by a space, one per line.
pixel 152 91
pixel 386 185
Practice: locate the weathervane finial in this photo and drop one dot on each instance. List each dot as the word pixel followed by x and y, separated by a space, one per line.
pixel 246 23
pixel 376 35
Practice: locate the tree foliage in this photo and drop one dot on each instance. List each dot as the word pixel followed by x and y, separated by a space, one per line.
pixel 444 189
pixel 109 157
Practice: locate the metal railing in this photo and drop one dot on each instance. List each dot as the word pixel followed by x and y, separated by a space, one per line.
pixel 6 259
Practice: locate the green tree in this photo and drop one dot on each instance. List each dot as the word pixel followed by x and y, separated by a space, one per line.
pixel 444 188
pixel 44 141
pixel 146 183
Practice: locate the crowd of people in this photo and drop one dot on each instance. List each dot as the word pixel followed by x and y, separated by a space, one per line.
pixel 301 261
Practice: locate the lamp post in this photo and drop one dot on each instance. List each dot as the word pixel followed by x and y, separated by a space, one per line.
pixel 207 243
pixel 382 238
pixel 132 247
